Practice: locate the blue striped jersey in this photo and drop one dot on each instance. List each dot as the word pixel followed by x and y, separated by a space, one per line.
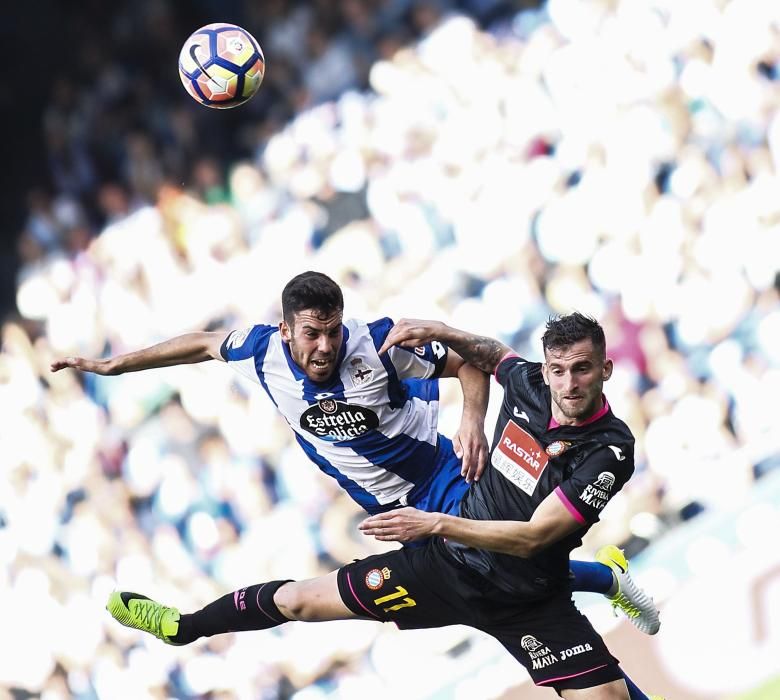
pixel 373 425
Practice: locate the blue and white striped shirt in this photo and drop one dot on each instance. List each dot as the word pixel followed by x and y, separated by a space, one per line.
pixel 373 425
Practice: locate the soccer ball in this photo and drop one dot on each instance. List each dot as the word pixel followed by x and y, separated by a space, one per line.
pixel 221 65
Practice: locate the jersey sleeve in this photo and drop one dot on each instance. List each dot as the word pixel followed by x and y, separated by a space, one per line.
pixel 243 346
pixel 426 362
pixel 513 373
pixel 596 481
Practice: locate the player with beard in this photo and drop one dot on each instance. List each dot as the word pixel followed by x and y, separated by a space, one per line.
pixel 365 411
pixel 559 456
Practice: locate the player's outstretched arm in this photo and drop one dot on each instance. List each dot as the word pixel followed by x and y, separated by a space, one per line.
pixel 482 352
pixel 550 522
pixel 182 350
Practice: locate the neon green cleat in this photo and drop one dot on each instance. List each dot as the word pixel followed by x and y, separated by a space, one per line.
pixel 630 598
pixel 142 613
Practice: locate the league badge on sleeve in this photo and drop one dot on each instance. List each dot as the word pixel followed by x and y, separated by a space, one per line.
pixel 236 338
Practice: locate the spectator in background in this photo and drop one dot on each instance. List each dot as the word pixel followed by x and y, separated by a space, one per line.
pixel 454 220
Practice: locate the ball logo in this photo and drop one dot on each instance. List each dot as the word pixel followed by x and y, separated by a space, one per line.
pixel 236 45
pixel 374 579
pixel 337 421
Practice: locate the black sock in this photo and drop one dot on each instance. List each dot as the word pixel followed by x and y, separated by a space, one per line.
pixel 250 608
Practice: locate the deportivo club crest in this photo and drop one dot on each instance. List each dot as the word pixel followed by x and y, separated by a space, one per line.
pixel 554 449
pixel 359 371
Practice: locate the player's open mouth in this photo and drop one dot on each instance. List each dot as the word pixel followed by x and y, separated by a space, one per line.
pixel 320 364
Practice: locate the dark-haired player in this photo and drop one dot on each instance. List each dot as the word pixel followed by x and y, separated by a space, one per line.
pixel 367 418
pixel 502 565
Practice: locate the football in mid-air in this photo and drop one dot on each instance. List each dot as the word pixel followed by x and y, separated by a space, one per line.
pixel 221 65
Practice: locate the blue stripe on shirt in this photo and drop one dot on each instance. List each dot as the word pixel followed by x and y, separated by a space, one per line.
pixel 396 392
pixel 409 458
pixel 424 389
pixel 362 497
pixel 261 343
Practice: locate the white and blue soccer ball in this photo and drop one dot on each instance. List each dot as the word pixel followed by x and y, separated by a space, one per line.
pixel 221 65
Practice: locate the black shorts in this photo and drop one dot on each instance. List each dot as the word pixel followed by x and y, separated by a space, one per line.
pixel 419 588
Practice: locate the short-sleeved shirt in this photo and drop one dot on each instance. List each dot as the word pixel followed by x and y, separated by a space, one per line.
pixel 532 457
pixel 372 425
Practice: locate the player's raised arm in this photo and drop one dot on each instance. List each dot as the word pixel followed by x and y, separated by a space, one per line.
pixel 482 352
pixel 182 350
pixel 469 442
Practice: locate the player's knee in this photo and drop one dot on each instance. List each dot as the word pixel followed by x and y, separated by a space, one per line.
pixel 293 602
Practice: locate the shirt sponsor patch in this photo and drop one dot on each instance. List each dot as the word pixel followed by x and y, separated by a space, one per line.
pixel 336 421
pixel 540 654
pixel 519 458
pixel 597 494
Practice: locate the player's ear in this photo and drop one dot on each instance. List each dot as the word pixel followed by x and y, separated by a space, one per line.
pixel 606 371
pixel 285 331
pixel 544 374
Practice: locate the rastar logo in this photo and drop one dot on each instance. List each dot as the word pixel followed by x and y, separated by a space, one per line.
pixel 519 457
pixel 519 446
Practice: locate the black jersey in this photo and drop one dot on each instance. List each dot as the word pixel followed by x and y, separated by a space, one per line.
pixel 586 465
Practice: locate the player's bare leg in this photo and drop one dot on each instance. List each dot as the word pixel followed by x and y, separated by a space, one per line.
pixel 313 600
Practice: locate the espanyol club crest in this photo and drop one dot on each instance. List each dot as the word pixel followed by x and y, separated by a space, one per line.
pixel 557 448
pixel 374 579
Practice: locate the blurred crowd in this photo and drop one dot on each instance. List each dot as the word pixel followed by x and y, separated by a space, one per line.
pixel 487 163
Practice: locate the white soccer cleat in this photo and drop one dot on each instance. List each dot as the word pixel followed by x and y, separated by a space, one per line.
pixel 630 598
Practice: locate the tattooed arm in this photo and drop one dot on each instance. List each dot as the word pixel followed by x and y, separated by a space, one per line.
pixel 479 351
